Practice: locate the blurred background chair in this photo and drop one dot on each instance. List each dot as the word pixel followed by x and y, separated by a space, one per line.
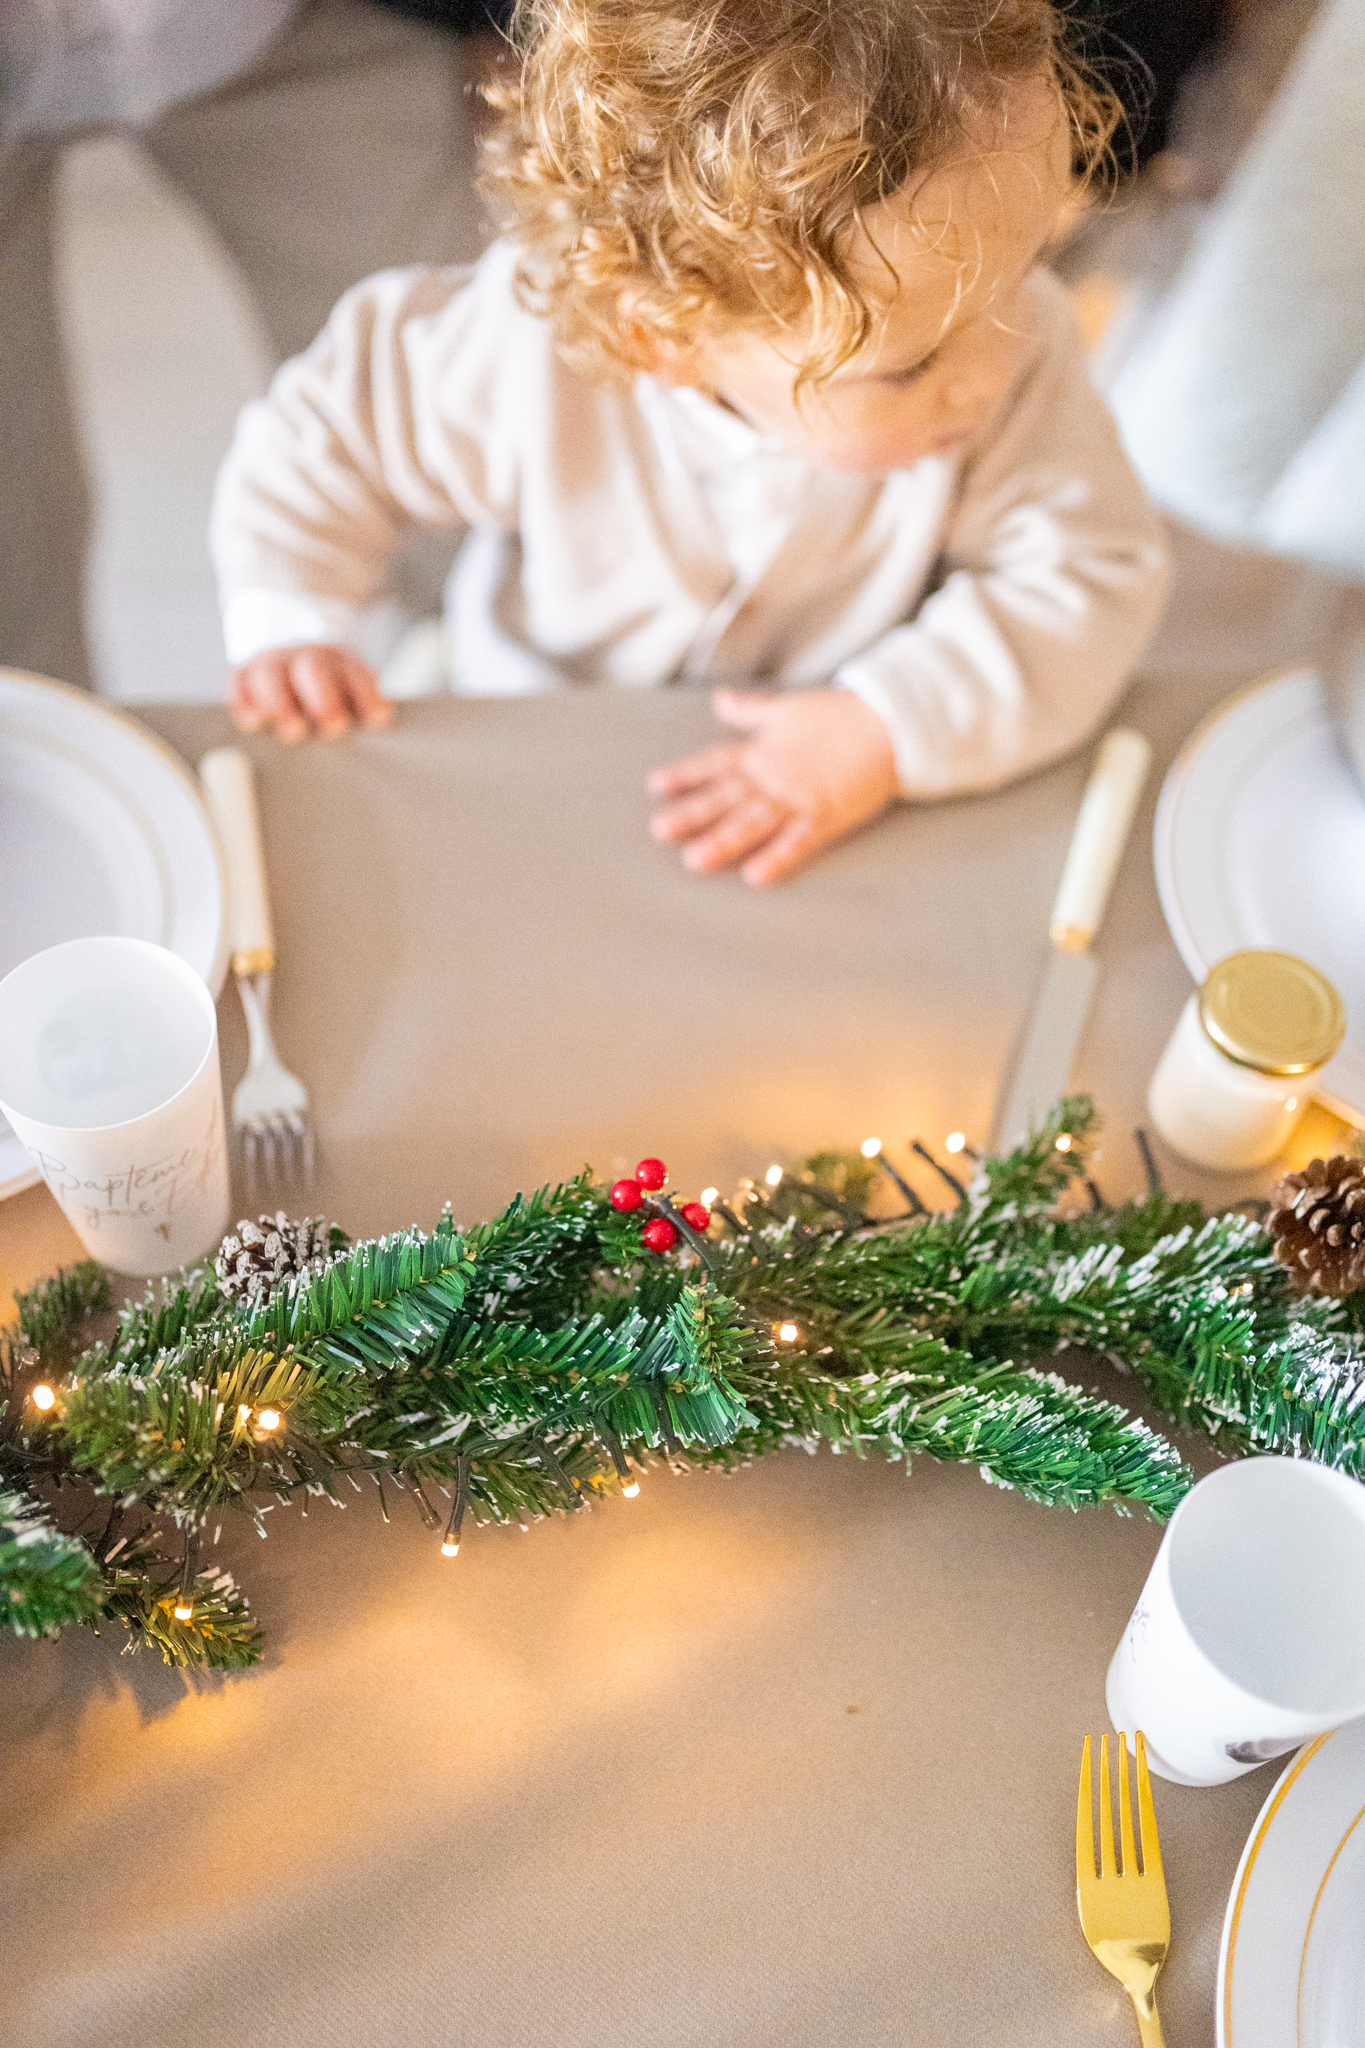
pixel 1242 398
pixel 186 187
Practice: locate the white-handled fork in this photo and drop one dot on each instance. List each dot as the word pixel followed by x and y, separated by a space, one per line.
pixel 269 1104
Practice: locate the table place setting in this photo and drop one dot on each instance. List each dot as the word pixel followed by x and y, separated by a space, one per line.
pixel 102 832
pixel 898 1303
pixel 1247 1643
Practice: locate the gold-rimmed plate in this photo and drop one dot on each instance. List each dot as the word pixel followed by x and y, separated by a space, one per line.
pixel 1291 1973
pixel 102 831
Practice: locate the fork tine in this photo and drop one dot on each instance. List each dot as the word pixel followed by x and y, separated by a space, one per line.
pixel 276 1149
pixel 1106 1814
pixel 1124 1917
pixel 1085 1827
pixel 1151 1842
pixel 1125 1809
pixel 270 1106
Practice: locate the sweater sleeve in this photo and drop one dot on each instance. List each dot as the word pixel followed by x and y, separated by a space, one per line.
pixel 380 425
pixel 1051 579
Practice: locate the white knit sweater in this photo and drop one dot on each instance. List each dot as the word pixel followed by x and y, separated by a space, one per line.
pixel 988 605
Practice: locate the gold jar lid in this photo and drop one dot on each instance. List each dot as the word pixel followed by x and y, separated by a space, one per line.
pixel 1272 1011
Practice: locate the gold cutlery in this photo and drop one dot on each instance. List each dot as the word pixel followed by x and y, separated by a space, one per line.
pixel 1124 1914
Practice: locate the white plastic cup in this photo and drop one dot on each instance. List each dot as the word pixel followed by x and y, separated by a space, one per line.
pixel 109 1074
pixel 1249 1637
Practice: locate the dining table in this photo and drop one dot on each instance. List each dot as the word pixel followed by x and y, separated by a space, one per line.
pixel 784 1757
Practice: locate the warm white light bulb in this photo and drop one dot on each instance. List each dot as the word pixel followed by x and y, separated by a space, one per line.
pixel 1291 1102
pixel 773 1176
pixel 871 1147
pixel 1064 1142
pixel 631 1488
pixel 788 1333
pixel 183 1611
pixel 708 1197
pixel 269 1418
pixel 43 1397
pixel 956 1141
pixel 449 1549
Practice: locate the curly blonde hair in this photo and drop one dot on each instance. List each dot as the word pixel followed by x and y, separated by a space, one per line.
pixel 675 167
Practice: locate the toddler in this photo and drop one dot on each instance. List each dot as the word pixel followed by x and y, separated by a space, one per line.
pixel 763 386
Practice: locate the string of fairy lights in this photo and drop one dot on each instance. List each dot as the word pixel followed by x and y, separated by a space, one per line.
pixel 665 1223
pixel 643 1190
pixel 44 1398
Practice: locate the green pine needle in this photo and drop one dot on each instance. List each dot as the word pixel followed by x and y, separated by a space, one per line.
pixel 47 1579
pixel 184 1446
pixel 143 1592
pixel 53 1315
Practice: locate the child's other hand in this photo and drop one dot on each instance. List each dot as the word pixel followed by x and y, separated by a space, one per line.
pixel 813 765
pixel 295 691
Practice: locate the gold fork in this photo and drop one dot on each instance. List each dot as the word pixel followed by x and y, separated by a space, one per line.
pixel 1124 1914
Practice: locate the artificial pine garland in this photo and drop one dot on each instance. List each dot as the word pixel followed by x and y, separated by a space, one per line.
pixel 528 1365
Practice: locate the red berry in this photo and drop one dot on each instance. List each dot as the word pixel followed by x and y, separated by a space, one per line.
pixel 699 1218
pixel 651 1174
pixel 660 1234
pixel 627 1194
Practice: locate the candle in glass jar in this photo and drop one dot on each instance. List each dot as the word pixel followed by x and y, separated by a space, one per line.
pixel 1233 1080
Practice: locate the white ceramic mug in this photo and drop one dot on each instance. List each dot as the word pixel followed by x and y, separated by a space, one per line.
pixel 1250 1634
pixel 109 1074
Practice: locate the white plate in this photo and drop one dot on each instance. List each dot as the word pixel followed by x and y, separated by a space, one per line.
pixel 1291 1973
pixel 1260 841
pixel 102 830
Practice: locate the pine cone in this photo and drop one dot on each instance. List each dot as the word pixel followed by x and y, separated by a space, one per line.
pixel 1317 1219
pixel 264 1254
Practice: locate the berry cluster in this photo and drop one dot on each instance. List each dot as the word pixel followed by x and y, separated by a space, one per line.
pixel 661 1232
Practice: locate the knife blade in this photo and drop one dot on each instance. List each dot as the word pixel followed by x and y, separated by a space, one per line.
pixel 1064 995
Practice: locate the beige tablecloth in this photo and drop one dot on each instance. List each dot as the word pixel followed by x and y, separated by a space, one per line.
pixel 780 1760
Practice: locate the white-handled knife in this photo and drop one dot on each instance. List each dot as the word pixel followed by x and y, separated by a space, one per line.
pixel 230 789
pixel 1063 1000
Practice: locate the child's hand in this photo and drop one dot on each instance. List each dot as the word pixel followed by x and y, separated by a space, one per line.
pixel 814 765
pixel 294 691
